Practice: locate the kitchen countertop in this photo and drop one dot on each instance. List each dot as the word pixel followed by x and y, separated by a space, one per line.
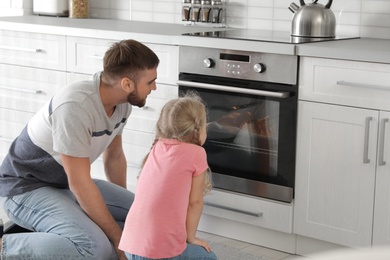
pixel 148 32
pixel 363 49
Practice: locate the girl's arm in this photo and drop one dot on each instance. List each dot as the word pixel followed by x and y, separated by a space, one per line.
pixel 194 211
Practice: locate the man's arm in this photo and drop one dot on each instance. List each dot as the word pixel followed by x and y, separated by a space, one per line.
pixel 90 198
pixel 115 164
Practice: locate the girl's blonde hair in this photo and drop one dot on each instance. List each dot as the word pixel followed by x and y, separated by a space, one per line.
pixel 183 119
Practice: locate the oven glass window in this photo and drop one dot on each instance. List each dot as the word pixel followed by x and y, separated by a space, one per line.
pixel 242 135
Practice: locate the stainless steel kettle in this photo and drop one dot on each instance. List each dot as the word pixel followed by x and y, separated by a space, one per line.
pixel 313 20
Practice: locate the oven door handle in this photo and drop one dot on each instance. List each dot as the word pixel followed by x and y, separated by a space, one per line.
pixel 234 89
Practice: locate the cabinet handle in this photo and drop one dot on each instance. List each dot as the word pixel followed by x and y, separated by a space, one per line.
pixel 13 48
pixel 22 90
pixel 366 139
pixel 360 85
pixel 5 139
pixel 381 159
pixel 98 57
pixel 253 214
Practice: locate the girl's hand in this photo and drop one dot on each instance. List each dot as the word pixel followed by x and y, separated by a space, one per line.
pixel 201 243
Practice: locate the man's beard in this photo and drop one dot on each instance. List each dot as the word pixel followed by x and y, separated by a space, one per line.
pixel 134 99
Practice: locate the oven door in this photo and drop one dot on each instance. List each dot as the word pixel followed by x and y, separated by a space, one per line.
pixel 251 134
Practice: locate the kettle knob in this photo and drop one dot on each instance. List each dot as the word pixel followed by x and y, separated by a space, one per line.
pixel 293 7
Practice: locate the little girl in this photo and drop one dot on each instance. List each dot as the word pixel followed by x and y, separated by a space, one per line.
pixel 164 217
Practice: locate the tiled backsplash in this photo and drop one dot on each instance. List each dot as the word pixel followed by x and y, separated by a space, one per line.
pixel 365 18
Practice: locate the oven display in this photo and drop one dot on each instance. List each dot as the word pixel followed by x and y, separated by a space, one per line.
pixel 234 57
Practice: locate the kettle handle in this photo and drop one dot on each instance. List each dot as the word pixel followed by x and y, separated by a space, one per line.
pixel 302 2
pixel 327 6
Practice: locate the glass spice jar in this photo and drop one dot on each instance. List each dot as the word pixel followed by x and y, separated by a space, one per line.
pixel 78 9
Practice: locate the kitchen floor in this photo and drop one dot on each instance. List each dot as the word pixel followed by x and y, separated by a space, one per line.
pixel 268 253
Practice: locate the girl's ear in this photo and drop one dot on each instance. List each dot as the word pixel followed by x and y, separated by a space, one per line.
pixel 127 85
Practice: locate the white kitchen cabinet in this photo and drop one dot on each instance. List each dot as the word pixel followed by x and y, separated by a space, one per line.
pixel 381 232
pixel 343 151
pixel 335 173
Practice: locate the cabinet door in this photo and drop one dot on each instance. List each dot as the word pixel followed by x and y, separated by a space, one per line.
pixel 335 173
pixel 381 234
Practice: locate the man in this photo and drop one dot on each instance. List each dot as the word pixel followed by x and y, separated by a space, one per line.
pixel 45 180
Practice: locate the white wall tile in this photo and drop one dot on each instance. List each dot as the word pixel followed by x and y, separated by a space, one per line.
pixel 260 13
pixel 123 5
pixel 367 18
pixel 5 4
pixel 382 7
pixel 99 4
pixel 140 5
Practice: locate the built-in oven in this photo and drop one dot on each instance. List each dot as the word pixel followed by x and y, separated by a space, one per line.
pixel 251 98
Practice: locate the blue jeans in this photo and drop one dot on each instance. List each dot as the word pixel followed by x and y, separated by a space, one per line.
pixel 61 228
pixel 192 252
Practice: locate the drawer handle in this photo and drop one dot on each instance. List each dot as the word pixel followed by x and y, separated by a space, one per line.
pixel 366 140
pixel 13 48
pixel 5 139
pixel 382 161
pixel 22 90
pixel 98 57
pixel 253 214
pixel 360 85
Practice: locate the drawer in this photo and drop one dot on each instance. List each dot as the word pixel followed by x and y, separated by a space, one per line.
pixel 249 210
pixel 137 138
pixel 135 154
pixel 74 77
pixel 85 55
pixel 97 172
pixel 141 124
pixel 5 143
pixel 12 123
pixel 33 49
pixel 28 89
pixel 151 110
pixel 343 82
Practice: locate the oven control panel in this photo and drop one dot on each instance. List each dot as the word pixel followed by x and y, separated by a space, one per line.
pixel 269 67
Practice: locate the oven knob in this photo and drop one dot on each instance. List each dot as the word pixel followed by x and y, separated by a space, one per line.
pixel 208 63
pixel 259 67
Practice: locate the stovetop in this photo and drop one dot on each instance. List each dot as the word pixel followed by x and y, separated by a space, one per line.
pixel 264 35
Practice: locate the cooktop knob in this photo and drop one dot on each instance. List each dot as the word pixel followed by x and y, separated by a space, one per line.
pixel 208 63
pixel 259 67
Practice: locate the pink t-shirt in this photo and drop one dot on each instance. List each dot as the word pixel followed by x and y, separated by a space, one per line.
pixel 156 224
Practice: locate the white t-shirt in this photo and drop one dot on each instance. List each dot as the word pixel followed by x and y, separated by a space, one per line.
pixel 73 122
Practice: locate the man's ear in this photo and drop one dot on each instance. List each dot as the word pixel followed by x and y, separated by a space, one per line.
pixel 127 85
